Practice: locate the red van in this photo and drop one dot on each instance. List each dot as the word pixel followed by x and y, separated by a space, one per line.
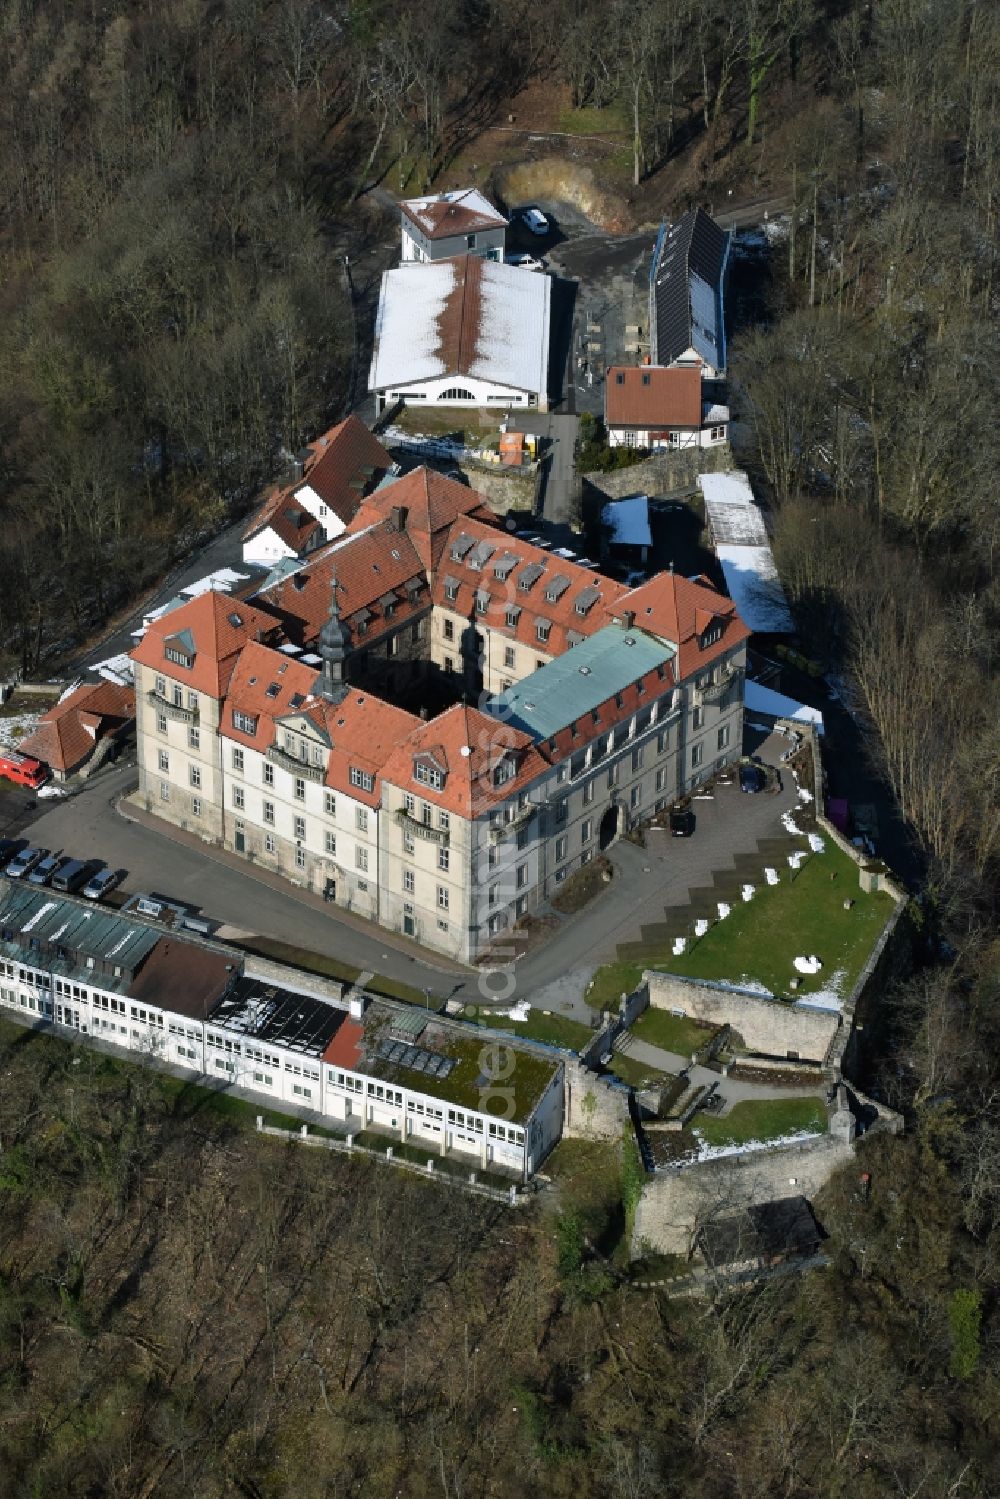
pixel 23 769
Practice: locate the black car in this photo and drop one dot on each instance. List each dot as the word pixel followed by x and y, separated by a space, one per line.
pixel 752 779
pixel 682 822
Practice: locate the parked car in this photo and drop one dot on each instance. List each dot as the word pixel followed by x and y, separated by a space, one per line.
pixel 99 884
pixel 752 779
pixel 682 822
pixel 535 220
pixel 73 874
pixel 24 862
pixel 45 869
pixel 527 262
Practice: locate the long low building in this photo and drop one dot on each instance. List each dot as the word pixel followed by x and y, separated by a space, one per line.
pixel 366 1062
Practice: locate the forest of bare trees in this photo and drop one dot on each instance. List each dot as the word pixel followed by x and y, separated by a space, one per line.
pixel 187 1311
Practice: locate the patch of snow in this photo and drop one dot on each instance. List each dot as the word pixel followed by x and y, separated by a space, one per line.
pixel 760 699
pixel 724 910
pixel 700 927
pixel 51 791
pixel 748 892
pixel 795 860
pixel 830 997
pixel 716 1152
pixel 680 943
pixel 755 588
pixel 804 795
pixel 811 964
pixel 628 520
pixel 120 669
pixel 13 730
pixel 816 843
pixel 749 986
pixel 771 875
pixel 520 1011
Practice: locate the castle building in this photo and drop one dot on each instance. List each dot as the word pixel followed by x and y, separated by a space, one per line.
pixel 433 722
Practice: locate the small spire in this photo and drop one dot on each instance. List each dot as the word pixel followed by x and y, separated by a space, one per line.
pixel 332 645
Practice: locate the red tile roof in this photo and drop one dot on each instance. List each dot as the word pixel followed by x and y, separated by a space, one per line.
pixel 596 593
pixel 440 218
pixel 269 686
pixel 681 610
pixel 467 746
pixel 218 626
pixel 431 503
pixel 348 461
pixel 370 566
pixel 651 397
pixel 346 1048
pixel 67 733
pixel 344 465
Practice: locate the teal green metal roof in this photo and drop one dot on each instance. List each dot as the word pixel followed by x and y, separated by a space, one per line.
pixel 579 681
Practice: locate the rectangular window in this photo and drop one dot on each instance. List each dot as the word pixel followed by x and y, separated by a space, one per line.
pixel 362 778
pixel 444 858
pixel 300 827
pixel 448 629
pixel 408 881
pixel 588 793
pixel 164 791
pixel 697 717
pixel 269 843
pixel 194 773
pixel 361 819
pixel 238 761
pixel 443 820
pixel 163 761
pixel 268 773
pixel 637 759
pixel 408 842
pixel 561 844
pixel 161 722
pixel 361 858
pixel 696 753
pixel 508 656
pixel 586 828
pixel 196 806
pixel 269 813
pixel 723 737
pixel 243 723
pixel 443 897
pixel 300 789
pixel 194 739
pixel 161 686
pixel 522 876
pixel 635 796
pixel 239 798
pixel 330 804
pixel 428 775
pixel 330 843
pixel 300 858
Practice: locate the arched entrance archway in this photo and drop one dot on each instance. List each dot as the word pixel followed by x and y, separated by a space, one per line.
pixel 611 826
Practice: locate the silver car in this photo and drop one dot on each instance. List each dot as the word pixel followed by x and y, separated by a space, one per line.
pixel 24 862
pixel 99 884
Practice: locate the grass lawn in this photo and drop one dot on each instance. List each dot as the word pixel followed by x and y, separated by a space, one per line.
pixel 557 1030
pixel 605 122
pixel 637 1074
pixel 760 938
pixel 612 981
pixel 333 968
pixel 675 1033
pixel 762 1119
pixel 470 426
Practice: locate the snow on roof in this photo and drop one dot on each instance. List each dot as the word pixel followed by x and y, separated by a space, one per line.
pixel 410 305
pixel 733 513
pixel 455 212
pixel 754 587
pixel 120 669
pixel 462 317
pixel 222 581
pixel 714 412
pixel 629 521
pixel 760 699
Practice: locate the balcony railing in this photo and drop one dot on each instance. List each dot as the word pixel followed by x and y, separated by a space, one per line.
pixel 507 828
pixel 292 763
pixel 171 709
pixel 420 829
pixel 713 692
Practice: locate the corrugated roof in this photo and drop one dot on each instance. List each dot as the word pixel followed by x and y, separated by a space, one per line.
pixel 577 683
pixel 28 913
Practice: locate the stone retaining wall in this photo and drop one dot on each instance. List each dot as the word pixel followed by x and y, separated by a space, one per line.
pixel 771 1026
pixel 593 1107
pixel 677 1201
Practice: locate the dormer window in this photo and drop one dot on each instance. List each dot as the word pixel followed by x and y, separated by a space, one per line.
pixel 178 657
pixel 451 589
pixel 712 634
pixel 428 775
pixel 244 723
pixel 504 771
pixel 542 629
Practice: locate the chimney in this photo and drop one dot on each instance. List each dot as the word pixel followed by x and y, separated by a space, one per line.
pixel 397 516
pixel 358 1004
pixel 628 619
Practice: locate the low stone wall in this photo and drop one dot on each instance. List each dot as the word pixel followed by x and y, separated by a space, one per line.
pixel 770 1026
pixel 677 1201
pixel 504 488
pixel 593 1107
pixel 663 473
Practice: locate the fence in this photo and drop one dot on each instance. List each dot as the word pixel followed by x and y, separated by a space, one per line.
pixel 512 1197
